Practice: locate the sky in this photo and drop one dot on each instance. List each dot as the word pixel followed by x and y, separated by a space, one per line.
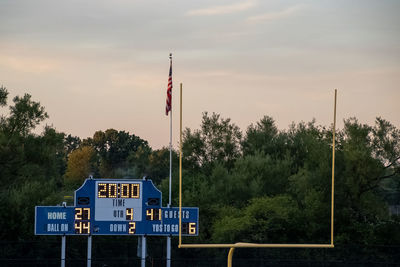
pixel 97 64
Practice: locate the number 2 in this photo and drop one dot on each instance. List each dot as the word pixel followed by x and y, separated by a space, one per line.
pixel 78 213
pixel 102 190
pixel 132 228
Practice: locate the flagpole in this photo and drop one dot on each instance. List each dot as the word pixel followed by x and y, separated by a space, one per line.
pixel 170 168
pixel 170 157
pixel 170 144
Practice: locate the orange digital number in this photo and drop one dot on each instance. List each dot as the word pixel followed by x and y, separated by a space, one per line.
pixel 153 214
pixel 78 213
pixel 135 192
pixel 129 214
pixel 82 227
pixel 82 213
pixel 192 228
pixel 102 191
pixel 124 190
pixel 112 190
pixel 132 228
pixel 159 214
pixel 149 214
pixel 86 214
pixel 85 227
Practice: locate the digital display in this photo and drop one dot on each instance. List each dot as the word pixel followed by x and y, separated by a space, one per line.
pixel 129 214
pixel 153 214
pixel 132 228
pixel 189 228
pixel 116 207
pixel 118 201
pixel 118 190
pixel 82 221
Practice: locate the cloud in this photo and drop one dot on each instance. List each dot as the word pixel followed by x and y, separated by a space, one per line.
pixel 36 65
pixel 276 15
pixel 220 10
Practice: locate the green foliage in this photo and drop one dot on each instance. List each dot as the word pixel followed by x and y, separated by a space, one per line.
pixel 264 220
pixel 3 96
pixel 80 165
pixel 31 167
pixel 114 148
pixel 25 115
pixel 294 164
pixel 262 137
pixel 268 186
pixel 218 141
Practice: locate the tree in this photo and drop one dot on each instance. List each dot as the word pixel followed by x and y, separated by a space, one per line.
pixel 24 116
pixel 367 157
pixel 218 140
pixel 80 165
pixel 261 137
pixel 71 143
pixel 264 220
pixel 114 148
pixel 31 166
pixel 3 96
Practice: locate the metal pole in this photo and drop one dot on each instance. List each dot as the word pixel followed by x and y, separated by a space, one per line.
pixel 253 245
pixel 170 144
pixel 143 264
pixel 89 251
pixel 169 202
pixel 169 251
pixel 230 255
pixel 170 174
pixel 333 167
pixel 180 169
pixel 63 242
pixel 170 159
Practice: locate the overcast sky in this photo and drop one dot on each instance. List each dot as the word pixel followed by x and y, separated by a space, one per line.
pixel 97 64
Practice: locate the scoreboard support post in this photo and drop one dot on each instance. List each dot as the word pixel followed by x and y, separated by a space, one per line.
pixel 169 251
pixel 63 243
pixel 144 250
pixel 89 251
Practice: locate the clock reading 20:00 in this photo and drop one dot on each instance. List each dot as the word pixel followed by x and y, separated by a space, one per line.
pixel 118 190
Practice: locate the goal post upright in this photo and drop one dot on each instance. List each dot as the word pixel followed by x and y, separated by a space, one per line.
pixel 255 245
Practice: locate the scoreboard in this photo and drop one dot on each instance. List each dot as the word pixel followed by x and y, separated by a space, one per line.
pixel 116 207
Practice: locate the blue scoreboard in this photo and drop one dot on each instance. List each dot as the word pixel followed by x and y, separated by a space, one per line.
pixel 116 207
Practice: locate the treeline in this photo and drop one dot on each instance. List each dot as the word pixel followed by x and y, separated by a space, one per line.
pixel 263 185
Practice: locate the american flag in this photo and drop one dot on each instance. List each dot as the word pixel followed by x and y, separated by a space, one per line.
pixel 169 89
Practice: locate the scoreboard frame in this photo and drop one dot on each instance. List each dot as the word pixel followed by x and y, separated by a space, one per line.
pixel 115 207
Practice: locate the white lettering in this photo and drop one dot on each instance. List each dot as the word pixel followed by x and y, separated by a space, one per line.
pixel 118 213
pixel 118 202
pixel 165 228
pixel 64 227
pixel 157 228
pixel 117 227
pixel 54 227
pixel 56 215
